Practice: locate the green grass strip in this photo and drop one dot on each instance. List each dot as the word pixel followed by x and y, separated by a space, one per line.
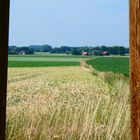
pixel 41 64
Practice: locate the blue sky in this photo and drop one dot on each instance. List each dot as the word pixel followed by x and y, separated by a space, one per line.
pixel 69 22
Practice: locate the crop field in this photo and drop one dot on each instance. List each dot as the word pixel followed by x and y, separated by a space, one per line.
pixel 114 64
pixel 41 63
pixel 66 103
pixel 45 61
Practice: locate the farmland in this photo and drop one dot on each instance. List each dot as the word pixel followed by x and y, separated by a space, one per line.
pixel 105 64
pixel 45 61
pixel 65 103
pixel 47 101
pixel 114 64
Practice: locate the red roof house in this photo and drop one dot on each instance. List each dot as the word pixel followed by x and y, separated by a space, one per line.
pixel 85 53
pixel 105 53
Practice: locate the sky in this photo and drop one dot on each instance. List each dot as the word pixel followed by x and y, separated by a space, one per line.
pixel 69 22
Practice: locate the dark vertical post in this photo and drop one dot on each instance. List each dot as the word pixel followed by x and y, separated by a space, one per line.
pixel 135 67
pixel 4 31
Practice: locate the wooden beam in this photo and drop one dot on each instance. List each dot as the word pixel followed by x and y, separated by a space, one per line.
pixel 4 31
pixel 135 67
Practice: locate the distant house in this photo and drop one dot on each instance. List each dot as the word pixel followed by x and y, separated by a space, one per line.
pixel 85 53
pixel 22 53
pixel 105 53
pixel 91 53
pixel 96 53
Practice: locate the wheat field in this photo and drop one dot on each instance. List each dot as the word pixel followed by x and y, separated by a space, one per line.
pixel 66 103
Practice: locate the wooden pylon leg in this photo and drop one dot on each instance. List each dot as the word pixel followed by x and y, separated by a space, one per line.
pixel 135 67
pixel 4 31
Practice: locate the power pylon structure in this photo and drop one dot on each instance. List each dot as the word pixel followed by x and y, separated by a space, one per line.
pixel 4 32
pixel 135 67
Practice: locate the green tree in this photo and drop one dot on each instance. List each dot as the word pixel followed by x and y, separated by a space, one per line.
pixel 75 52
pixel 121 50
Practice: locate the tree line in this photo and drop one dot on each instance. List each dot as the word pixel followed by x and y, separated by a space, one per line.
pixel 98 50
